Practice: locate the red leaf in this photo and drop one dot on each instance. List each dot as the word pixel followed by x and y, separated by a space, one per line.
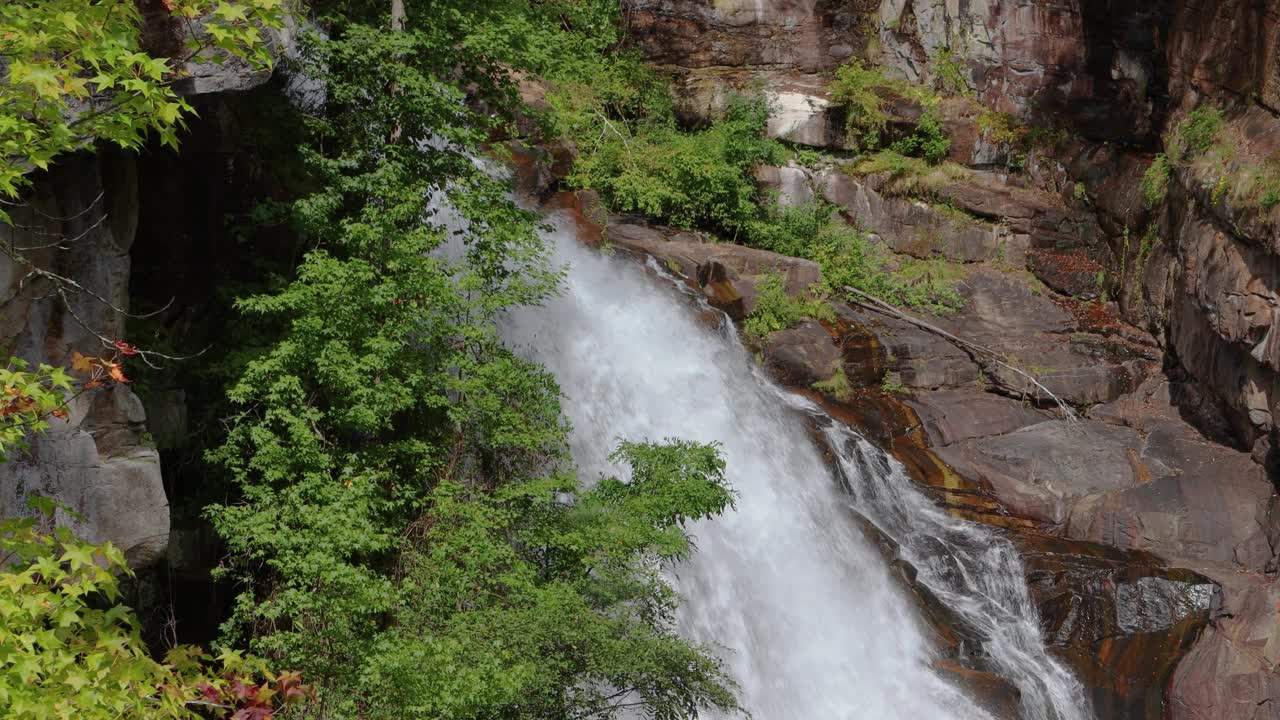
pixel 240 691
pixel 209 692
pixel 253 712
pixel 124 347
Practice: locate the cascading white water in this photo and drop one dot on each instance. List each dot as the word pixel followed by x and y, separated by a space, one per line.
pixel 809 621
pixel 976 573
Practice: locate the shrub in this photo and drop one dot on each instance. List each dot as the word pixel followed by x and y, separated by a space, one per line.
pixel 1270 198
pixel 776 310
pixel 1001 127
pixel 699 179
pixel 860 91
pixel 849 259
pixel 927 141
pixel 1199 130
pixel 950 73
pixel 1155 181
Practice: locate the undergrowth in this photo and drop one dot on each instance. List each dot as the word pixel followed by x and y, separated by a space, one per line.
pixel 849 259
pixel 776 310
pixel 863 92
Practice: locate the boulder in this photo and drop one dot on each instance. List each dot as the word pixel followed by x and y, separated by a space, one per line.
pixel 803 355
pixel 95 464
pixel 1231 671
pixel 1122 620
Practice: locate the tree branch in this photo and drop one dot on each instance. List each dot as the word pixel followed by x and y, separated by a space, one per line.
pixel 874 303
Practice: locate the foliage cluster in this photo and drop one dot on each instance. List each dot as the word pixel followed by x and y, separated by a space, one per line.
pixel 863 93
pixel 29 399
pixel 1155 180
pixel 1198 131
pixel 776 310
pixel 75 73
pixel 928 140
pixel 692 179
pixel 1001 127
pixel 848 258
pixel 69 649
pixel 950 73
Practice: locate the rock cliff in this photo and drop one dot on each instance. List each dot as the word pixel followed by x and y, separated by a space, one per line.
pixel 1154 320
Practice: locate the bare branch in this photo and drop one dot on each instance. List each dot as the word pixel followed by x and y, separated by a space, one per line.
pixel 872 302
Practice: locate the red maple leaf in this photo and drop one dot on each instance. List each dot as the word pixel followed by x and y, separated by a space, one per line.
pixel 240 691
pixel 124 347
pixel 209 692
pixel 254 712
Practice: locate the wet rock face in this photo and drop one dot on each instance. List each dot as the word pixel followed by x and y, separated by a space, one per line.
pixel 1122 619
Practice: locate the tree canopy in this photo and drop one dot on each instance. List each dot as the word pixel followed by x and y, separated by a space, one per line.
pixel 404 522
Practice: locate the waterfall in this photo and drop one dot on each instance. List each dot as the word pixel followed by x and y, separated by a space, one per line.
pixel 799 604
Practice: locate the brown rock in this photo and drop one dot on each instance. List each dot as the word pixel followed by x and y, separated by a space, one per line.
pixel 1232 671
pixel 803 355
pixel 950 416
pixel 1122 620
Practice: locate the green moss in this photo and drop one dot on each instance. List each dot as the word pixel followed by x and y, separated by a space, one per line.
pixel 837 386
pixel 892 384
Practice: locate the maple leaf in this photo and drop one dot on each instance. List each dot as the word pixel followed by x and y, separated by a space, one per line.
pixel 125 348
pixel 117 374
pixel 60 413
pixel 253 712
pixel 240 691
pixel 209 693
pixel 81 362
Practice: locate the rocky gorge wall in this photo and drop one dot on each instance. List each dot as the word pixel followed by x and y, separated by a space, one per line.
pixel 97 247
pixel 1155 323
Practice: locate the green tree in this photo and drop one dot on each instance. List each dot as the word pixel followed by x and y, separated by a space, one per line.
pixel 402 532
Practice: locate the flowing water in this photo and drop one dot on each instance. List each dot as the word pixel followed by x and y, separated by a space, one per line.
pixel 801 607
